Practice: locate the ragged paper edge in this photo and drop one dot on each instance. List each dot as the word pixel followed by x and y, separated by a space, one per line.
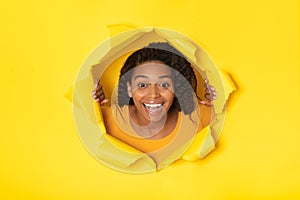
pixel 120 159
pixel 186 48
pixel 195 54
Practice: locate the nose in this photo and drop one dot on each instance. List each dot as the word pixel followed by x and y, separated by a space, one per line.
pixel 154 91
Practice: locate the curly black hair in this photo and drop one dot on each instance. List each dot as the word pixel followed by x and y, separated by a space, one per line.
pixel 184 78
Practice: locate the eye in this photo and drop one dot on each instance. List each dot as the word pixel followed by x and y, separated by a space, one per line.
pixel 142 85
pixel 164 85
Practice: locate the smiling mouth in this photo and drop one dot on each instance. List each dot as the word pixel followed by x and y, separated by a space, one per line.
pixel 153 108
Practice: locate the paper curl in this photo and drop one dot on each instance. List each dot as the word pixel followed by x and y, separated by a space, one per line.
pixel 105 62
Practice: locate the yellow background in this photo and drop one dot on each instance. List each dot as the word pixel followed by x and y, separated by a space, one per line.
pixel 44 43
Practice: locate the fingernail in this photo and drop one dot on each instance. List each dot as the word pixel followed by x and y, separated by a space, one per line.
pixel 105 101
pixel 203 102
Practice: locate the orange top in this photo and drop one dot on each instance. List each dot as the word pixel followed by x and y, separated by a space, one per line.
pixel 117 123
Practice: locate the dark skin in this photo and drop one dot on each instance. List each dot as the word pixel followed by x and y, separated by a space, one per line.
pixel 159 156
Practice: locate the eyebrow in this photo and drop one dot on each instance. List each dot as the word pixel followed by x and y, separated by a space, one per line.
pixel 146 77
pixel 165 76
pixel 140 76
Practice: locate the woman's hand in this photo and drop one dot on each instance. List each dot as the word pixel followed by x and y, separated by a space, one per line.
pixel 210 94
pixel 98 93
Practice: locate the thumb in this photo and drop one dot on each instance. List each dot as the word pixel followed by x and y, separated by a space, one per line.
pixel 104 102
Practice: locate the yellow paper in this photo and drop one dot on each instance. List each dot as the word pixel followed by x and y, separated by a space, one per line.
pixel 107 67
pixel 43 45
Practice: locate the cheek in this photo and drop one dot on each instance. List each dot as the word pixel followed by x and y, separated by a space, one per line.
pixel 137 95
pixel 169 96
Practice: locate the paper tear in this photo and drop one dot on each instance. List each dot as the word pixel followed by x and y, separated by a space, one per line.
pixel 122 44
pixel 69 94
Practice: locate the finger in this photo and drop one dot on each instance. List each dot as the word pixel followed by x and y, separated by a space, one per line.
pixel 208 96
pixel 213 93
pixel 98 98
pixel 104 102
pixel 211 88
pixel 101 97
pixel 96 82
pixel 99 93
pixel 207 103
pixel 98 88
pixel 206 85
pixel 95 91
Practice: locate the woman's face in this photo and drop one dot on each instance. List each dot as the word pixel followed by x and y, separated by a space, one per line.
pixel 152 91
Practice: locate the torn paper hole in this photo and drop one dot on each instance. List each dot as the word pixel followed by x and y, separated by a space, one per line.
pixel 92 120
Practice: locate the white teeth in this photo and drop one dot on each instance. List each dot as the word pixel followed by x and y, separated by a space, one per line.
pixel 152 105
